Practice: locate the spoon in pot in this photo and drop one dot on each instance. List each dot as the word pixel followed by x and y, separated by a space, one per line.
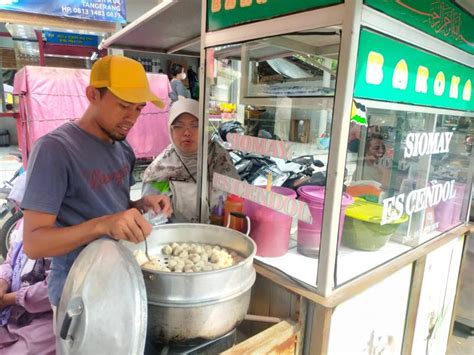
pixel 146 251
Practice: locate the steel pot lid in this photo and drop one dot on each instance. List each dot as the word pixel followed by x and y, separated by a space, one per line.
pixel 103 308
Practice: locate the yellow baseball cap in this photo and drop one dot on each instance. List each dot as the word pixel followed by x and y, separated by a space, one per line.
pixel 125 78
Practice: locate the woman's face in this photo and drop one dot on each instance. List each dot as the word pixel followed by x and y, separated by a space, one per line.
pixel 376 150
pixel 182 75
pixel 184 133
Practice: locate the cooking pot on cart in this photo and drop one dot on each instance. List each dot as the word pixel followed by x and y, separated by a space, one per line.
pixel 109 303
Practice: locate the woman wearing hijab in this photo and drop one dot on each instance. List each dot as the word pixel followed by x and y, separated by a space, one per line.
pixel 174 171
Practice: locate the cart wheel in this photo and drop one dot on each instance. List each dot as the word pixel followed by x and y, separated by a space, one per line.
pixel 6 231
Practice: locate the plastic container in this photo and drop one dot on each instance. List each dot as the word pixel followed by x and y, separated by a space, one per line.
pixel 309 235
pixel 217 213
pixel 270 229
pixel 362 229
pixel 448 213
pixel 234 203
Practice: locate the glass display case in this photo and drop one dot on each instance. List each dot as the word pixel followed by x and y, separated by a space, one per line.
pixel 410 182
pixel 270 104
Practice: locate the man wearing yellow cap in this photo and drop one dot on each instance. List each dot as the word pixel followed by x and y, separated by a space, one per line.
pixel 79 175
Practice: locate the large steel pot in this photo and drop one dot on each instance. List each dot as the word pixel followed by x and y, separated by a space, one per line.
pixel 184 306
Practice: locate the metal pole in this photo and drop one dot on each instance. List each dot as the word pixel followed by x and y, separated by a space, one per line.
pixel 338 148
pixel 203 143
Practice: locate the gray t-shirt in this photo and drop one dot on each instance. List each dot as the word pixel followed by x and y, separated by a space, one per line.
pixel 178 89
pixel 76 176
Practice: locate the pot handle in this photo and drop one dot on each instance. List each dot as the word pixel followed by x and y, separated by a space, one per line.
pixel 71 319
pixel 243 216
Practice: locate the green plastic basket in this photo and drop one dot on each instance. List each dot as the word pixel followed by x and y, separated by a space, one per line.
pixel 362 228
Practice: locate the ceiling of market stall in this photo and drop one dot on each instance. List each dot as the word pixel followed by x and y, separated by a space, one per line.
pixel 22 37
pixel 176 30
pixel 173 27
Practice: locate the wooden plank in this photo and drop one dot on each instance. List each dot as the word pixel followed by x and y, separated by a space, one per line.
pixel 261 295
pixel 259 305
pixel 301 316
pixel 268 300
pixel 319 341
pixel 287 283
pixel 279 339
pixel 280 305
pixel 413 304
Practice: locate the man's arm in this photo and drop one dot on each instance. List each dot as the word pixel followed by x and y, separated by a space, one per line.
pixel 42 238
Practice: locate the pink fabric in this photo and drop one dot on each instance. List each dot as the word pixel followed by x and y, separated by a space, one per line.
pixel 51 96
pixel 36 337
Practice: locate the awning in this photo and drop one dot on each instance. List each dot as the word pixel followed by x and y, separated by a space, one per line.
pixel 172 27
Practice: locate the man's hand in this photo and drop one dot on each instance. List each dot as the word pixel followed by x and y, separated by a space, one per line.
pixel 127 225
pixel 157 203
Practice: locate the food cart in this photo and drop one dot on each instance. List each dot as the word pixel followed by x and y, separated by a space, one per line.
pixel 380 94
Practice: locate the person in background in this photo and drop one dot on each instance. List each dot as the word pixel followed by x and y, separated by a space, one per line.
pixel 26 317
pixel 371 167
pixel 79 175
pixel 177 87
pixel 9 108
pixel 193 83
pixel 174 171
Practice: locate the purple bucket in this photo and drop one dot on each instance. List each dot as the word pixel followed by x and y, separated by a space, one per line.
pixel 270 229
pixel 449 213
pixel 309 235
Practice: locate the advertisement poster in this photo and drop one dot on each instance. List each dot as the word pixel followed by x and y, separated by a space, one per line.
pixel 71 39
pixel 97 10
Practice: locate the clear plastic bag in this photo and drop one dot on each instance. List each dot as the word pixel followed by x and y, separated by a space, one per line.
pixel 155 219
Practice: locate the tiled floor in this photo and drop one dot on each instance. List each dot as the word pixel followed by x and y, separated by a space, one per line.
pixel 462 342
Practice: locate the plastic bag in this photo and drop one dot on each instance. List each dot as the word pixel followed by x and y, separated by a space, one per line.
pixel 155 219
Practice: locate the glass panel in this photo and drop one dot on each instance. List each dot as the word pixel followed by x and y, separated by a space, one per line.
pixel 270 105
pixel 409 174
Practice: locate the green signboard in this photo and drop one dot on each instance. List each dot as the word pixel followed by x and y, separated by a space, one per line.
pixel 439 18
pixel 391 70
pixel 227 13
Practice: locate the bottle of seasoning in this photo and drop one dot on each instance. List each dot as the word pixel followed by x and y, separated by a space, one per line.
pixel 234 203
pixel 217 213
